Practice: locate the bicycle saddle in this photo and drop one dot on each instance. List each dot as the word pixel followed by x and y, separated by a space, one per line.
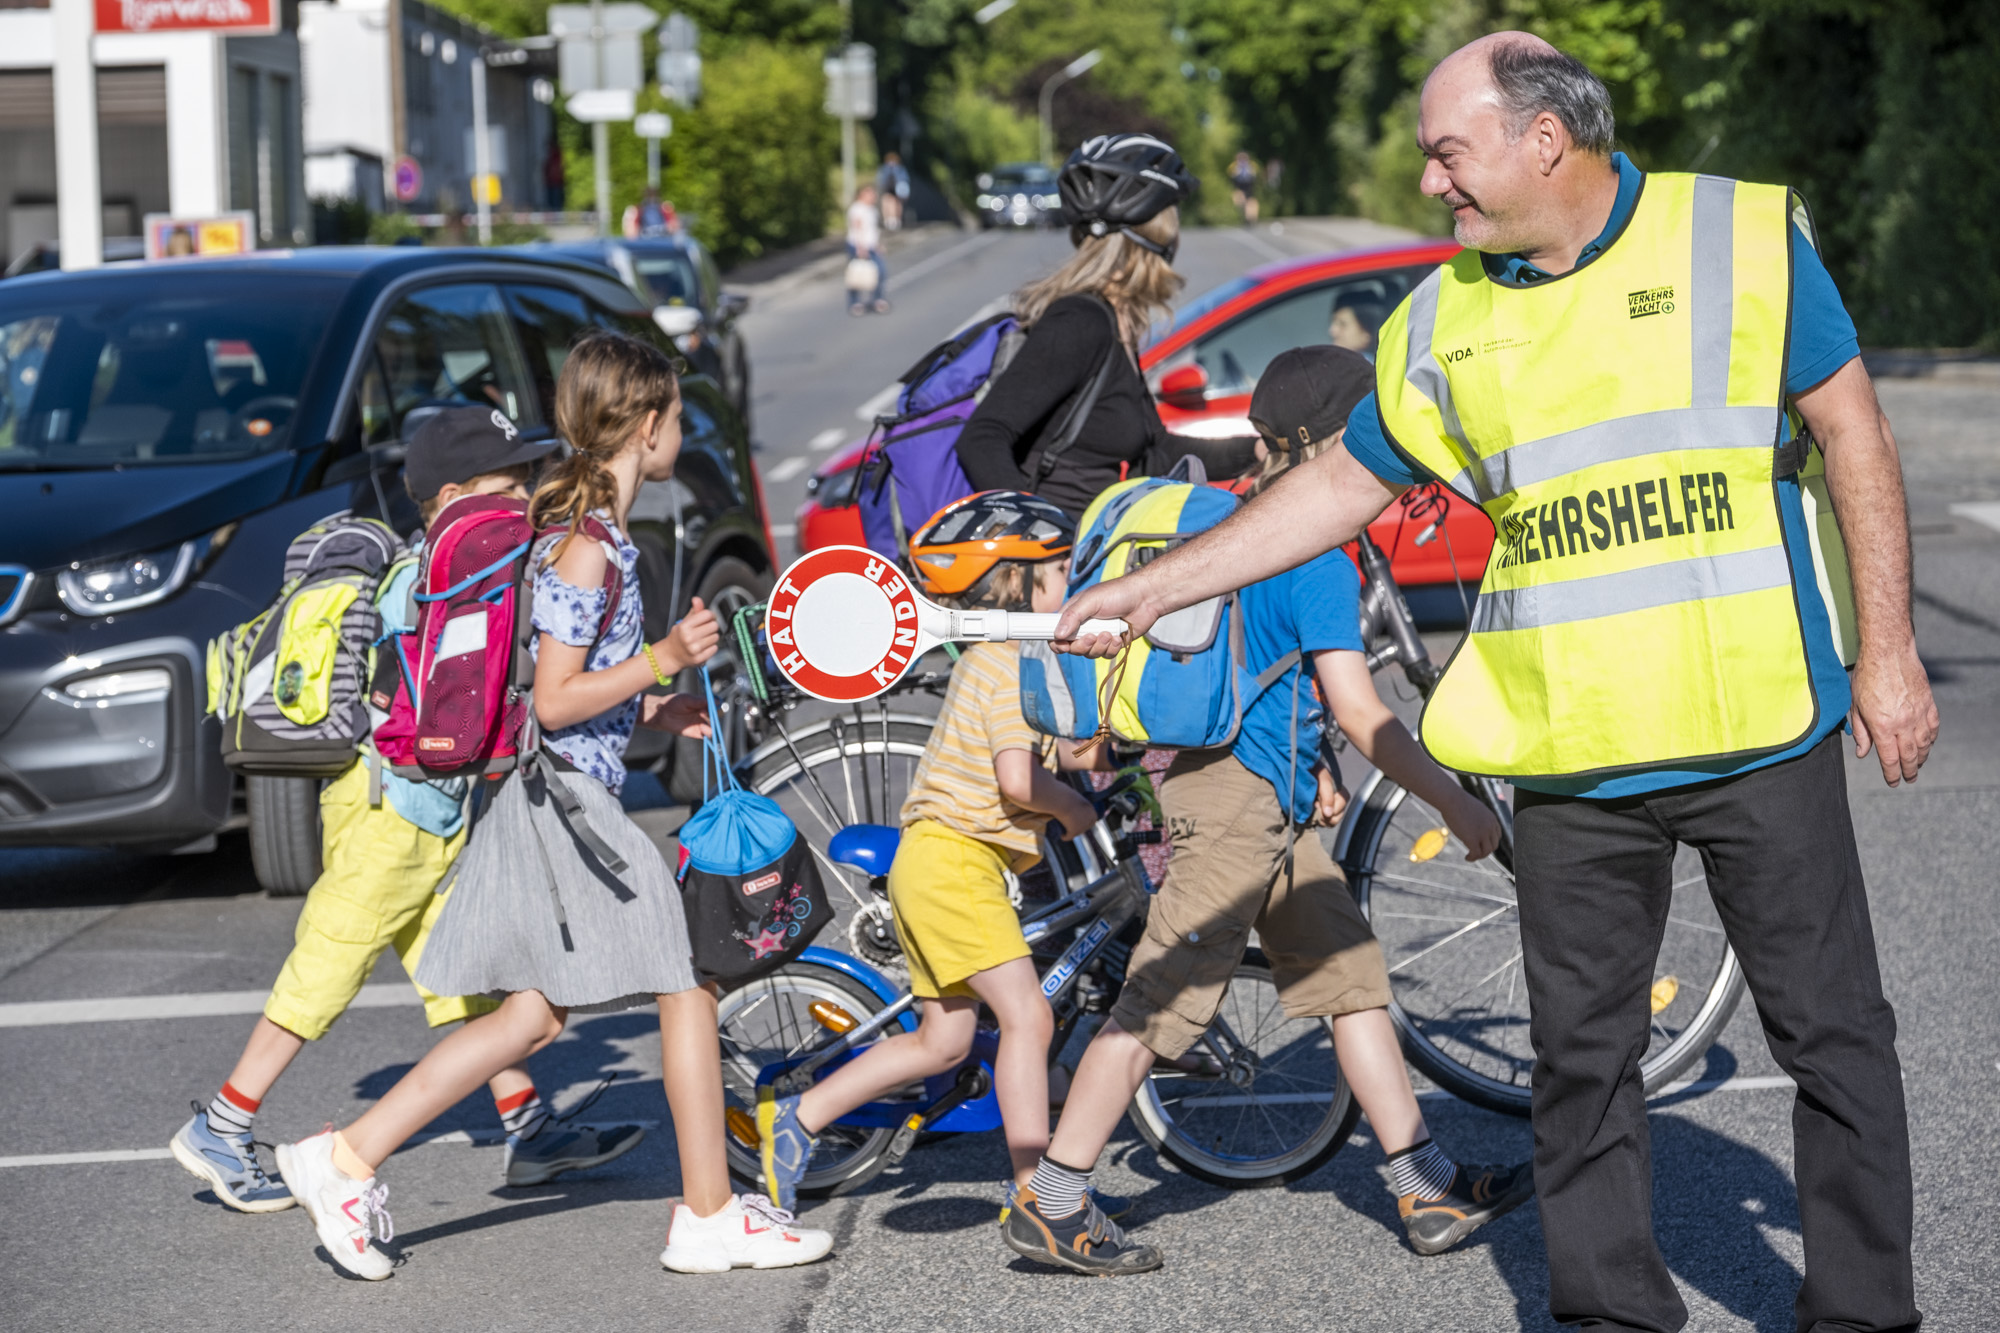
pixel 870 847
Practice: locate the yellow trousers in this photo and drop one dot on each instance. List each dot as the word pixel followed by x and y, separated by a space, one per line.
pixel 378 889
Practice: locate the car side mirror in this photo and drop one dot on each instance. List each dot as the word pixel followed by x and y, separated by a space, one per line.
pixel 677 321
pixel 732 304
pixel 1184 387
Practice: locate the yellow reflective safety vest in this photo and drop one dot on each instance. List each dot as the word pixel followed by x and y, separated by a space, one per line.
pixel 1621 426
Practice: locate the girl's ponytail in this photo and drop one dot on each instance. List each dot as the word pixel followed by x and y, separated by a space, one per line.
pixel 610 382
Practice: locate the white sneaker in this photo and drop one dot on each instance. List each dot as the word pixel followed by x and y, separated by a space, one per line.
pixel 346 1212
pixel 749 1232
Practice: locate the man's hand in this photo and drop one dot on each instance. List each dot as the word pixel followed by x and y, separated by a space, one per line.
pixel 1114 599
pixel 682 714
pixel 1894 713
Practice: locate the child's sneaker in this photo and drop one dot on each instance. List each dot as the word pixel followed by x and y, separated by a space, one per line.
pixel 1478 1194
pixel 747 1233
pixel 1086 1240
pixel 783 1146
pixel 1113 1206
pixel 346 1212
pixel 228 1162
pixel 557 1147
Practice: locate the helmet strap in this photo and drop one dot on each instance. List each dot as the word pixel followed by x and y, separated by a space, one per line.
pixel 1165 252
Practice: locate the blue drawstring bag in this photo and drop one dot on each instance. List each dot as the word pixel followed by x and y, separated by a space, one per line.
pixel 749 887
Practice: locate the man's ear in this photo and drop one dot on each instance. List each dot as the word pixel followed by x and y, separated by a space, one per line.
pixel 1551 141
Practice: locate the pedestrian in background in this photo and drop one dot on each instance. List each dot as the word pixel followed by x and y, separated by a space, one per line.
pixel 1243 187
pixel 554 182
pixel 1618 367
pixel 864 242
pixel 892 183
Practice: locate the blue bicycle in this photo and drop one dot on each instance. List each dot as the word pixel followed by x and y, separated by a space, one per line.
pixel 1259 1101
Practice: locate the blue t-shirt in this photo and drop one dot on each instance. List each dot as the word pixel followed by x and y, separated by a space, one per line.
pixel 1310 609
pixel 1822 340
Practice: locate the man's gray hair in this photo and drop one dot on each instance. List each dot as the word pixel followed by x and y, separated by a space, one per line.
pixel 1531 78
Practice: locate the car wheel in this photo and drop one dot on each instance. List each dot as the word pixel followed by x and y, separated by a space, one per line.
pixel 726 587
pixel 284 833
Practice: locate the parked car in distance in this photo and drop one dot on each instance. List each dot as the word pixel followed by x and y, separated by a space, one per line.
pixel 680 280
pixel 1202 369
pixel 46 256
pixel 167 429
pixel 1018 194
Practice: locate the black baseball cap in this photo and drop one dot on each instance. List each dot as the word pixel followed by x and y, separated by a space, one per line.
pixel 1306 393
pixel 460 443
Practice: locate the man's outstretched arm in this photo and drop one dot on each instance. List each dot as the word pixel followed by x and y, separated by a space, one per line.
pixel 1315 507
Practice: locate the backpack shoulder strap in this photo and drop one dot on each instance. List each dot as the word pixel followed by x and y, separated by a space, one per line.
pixel 1082 405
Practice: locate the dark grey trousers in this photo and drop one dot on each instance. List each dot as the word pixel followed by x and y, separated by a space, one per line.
pixel 1595 884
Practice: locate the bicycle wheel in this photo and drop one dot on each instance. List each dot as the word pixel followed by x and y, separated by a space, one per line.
pixel 1277 1112
pixel 852 768
pixel 771 1019
pixel 1451 936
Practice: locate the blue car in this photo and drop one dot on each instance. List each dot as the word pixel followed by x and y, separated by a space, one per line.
pixel 166 429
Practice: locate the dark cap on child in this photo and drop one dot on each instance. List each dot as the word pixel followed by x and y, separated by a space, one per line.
pixel 1306 393
pixel 461 443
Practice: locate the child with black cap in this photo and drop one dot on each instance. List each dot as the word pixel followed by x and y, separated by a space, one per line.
pixel 385 850
pixel 1234 815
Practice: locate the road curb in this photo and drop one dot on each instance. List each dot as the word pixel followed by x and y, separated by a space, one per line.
pixel 818 259
pixel 1953 366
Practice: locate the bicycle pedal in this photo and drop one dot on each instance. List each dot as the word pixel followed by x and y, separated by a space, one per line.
pixel 904 1140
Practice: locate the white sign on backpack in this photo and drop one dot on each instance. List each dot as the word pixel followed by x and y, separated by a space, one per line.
pixel 845 624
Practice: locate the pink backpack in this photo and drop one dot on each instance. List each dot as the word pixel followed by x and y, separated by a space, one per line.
pixel 461 703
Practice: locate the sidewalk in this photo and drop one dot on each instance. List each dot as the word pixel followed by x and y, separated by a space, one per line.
pixel 1946 365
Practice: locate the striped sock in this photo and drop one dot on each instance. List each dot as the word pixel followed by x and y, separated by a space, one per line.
pixel 522 1114
pixel 231 1112
pixel 1421 1169
pixel 1058 1188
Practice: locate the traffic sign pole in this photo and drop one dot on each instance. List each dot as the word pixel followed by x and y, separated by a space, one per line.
pixel 79 202
pixel 482 152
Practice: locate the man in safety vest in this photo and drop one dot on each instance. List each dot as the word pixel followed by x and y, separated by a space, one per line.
pixel 1649 384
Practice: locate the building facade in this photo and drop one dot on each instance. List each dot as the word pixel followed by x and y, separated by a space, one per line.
pixel 367 104
pixel 189 123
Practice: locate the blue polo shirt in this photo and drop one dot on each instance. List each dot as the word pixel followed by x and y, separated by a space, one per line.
pixel 1313 608
pixel 1822 341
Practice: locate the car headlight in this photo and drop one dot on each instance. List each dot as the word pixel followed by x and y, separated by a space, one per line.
pixel 121 686
pixel 105 587
pixel 985 201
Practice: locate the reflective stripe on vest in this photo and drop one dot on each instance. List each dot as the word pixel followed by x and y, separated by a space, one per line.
pixel 1619 425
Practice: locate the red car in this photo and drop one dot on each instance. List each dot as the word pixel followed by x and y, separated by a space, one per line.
pixel 1203 368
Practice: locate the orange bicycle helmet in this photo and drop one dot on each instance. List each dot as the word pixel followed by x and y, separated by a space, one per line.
pixel 962 542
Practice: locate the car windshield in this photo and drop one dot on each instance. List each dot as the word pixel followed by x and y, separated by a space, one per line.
pixel 158 373
pixel 1006 178
pixel 668 275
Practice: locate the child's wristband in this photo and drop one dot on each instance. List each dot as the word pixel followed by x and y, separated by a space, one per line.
pixel 654 663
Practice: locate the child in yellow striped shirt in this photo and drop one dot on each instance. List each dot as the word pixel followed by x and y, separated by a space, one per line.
pixel 977 803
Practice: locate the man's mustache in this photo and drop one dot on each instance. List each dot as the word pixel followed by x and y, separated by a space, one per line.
pixel 1453 199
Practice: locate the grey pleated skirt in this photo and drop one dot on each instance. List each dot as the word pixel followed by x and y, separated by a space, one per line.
pixel 599 942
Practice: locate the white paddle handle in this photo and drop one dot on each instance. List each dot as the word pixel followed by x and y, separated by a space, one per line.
pixel 1001 626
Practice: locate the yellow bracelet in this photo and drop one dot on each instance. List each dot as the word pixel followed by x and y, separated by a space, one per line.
pixel 654 663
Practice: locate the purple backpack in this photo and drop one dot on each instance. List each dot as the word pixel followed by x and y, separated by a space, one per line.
pixel 911 469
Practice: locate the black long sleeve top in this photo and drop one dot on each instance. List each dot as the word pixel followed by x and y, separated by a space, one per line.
pixel 1123 435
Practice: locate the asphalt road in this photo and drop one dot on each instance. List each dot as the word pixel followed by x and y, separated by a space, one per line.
pixel 103 1232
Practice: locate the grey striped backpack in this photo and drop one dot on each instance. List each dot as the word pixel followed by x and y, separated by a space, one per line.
pixel 291 685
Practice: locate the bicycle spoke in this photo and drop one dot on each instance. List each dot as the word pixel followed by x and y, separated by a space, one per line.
pixel 1456 934
pixel 1406 883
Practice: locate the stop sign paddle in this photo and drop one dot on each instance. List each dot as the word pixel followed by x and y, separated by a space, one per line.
pixel 845 624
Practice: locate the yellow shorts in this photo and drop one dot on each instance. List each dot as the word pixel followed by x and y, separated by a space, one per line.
pixel 949 894
pixel 378 889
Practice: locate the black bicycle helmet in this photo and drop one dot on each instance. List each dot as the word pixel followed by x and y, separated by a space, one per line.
pixel 1115 182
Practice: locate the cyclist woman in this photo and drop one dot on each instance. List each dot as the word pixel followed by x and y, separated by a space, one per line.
pixel 1121 195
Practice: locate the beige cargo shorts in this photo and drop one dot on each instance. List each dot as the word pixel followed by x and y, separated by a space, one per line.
pixel 1226 876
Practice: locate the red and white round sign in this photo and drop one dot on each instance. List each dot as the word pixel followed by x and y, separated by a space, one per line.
pixel 843 624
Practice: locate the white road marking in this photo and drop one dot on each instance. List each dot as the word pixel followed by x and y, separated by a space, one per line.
pixel 208 1004
pixel 1986 512
pixel 1748 1083
pixel 785 470
pixel 880 403
pixel 1259 244
pixel 826 439
pixel 468 1137
pixel 937 261
pixel 784 529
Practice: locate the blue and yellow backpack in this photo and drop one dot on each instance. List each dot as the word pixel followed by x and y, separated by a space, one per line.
pixel 1184 685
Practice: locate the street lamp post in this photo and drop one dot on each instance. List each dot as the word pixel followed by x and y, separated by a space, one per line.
pixel 1083 64
pixel 481 152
